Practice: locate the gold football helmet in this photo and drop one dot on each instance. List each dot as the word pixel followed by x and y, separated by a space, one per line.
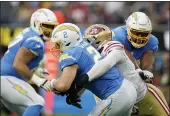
pixel 96 34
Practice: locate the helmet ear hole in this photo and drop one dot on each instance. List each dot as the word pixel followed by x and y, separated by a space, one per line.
pixel 34 24
pixel 68 44
pixel 98 42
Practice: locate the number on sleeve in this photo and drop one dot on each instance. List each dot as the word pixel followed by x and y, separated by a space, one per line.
pixel 94 52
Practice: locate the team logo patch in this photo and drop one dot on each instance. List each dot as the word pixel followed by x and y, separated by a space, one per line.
pixel 65 56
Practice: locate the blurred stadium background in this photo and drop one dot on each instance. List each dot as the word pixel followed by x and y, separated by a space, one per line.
pixel 16 15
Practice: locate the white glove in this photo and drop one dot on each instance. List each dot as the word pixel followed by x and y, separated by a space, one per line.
pixel 41 72
pixel 148 74
pixel 41 82
pixel 145 74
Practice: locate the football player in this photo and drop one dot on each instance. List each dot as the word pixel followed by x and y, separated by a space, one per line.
pixel 78 56
pixel 150 101
pixel 19 62
pixel 139 43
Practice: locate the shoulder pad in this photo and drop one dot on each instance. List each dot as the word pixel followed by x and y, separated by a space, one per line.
pixel 109 46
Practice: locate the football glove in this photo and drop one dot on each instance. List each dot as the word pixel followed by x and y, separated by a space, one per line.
pixel 73 99
pixel 145 75
pixel 41 82
pixel 82 79
pixel 72 95
pixel 46 85
pixel 41 72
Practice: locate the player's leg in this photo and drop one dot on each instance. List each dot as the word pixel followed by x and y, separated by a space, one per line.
pixel 153 104
pixel 20 93
pixel 13 108
pixel 118 104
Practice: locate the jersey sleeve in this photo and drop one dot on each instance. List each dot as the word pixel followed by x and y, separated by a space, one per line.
pixel 112 45
pixel 114 53
pixel 35 45
pixel 66 60
pixel 153 43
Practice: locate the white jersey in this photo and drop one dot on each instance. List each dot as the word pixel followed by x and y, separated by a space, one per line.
pixel 125 66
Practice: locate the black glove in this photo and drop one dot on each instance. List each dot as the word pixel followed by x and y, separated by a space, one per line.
pixel 82 79
pixel 72 97
pixel 73 100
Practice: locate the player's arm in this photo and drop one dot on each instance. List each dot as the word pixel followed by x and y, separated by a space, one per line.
pixel 114 56
pixel 146 63
pixel 25 54
pixel 131 58
pixel 67 77
pixel 22 58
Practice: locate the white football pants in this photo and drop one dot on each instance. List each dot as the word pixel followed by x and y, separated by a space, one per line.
pixel 17 94
pixel 119 103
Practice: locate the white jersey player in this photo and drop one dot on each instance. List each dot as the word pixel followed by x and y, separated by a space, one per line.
pixel 114 54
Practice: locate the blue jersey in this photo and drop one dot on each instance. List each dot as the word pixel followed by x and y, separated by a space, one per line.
pixel 27 39
pixel 121 36
pixel 84 55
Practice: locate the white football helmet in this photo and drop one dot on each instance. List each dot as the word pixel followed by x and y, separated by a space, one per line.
pixel 139 28
pixel 66 36
pixel 43 21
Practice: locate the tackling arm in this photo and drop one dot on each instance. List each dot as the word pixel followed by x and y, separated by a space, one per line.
pixel 106 63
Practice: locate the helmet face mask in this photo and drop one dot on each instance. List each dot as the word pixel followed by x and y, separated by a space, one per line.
pixel 47 28
pixel 43 21
pixel 66 36
pixel 96 34
pixel 139 28
pixel 138 38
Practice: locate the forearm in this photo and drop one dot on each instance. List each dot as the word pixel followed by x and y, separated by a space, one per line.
pixel 105 64
pixel 63 83
pixel 147 61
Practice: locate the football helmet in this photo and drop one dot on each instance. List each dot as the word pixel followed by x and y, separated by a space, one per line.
pixel 43 21
pixel 66 36
pixel 139 28
pixel 96 34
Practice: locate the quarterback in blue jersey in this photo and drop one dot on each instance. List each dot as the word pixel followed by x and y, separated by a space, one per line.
pixel 18 64
pixel 77 58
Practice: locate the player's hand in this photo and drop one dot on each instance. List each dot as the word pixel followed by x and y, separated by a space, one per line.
pixel 144 74
pixel 41 72
pixel 73 100
pixel 46 85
